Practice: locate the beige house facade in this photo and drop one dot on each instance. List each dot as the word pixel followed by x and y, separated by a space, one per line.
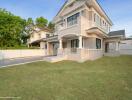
pixel 81 32
pixel 37 36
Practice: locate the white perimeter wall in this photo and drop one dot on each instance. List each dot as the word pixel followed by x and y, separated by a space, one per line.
pixel 125 47
pixel 9 54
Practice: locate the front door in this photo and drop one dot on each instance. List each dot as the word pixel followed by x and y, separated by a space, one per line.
pixel 55 49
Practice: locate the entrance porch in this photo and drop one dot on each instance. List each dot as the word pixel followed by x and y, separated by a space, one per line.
pixel 80 48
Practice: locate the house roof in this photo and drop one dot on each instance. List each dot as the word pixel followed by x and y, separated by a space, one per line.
pixel 97 3
pixel 104 12
pixel 41 29
pixel 117 33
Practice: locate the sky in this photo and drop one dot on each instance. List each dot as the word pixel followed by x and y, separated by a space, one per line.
pixel 119 11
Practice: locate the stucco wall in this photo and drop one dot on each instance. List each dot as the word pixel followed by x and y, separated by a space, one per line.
pixel 125 47
pixel 9 54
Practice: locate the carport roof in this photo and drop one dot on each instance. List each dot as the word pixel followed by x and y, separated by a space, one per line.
pixel 117 33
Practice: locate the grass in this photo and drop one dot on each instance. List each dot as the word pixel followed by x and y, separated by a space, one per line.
pixel 18 47
pixel 104 79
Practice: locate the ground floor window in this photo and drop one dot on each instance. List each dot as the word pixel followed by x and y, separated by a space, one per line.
pixel 98 43
pixel 75 43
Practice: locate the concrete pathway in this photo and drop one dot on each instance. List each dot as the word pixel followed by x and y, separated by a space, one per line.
pixel 10 62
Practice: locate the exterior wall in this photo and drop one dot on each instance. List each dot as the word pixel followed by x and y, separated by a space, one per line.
pixel 83 54
pixel 72 8
pixel 125 47
pixel 37 36
pixel 42 45
pixel 90 43
pixel 99 21
pixel 91 54
pixel 9 54
pixel 73 30
pixel 112 47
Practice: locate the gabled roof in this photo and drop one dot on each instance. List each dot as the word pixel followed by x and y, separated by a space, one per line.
pixel 117 33
pixel 61 9
pixel 104 12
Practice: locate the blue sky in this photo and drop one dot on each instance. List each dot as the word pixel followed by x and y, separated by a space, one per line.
pixel 120 11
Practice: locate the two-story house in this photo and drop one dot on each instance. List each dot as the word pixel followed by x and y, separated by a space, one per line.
pixel 81 32
pixel 37 37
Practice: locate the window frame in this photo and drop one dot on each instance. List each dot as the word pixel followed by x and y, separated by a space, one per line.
pixel 98 43
pixel 73 20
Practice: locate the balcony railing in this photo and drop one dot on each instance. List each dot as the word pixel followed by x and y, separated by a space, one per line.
pixel 89 54
pixel 103 28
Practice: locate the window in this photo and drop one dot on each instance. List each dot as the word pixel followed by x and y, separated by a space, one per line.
pixel 47 35
pixel 100 22
pixel 74 43
pixel 94 17
pixel 45 46
pixel 98 43
pixel 103 22
pixel 72 20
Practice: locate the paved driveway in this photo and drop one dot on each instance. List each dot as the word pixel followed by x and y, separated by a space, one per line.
pixel 10 62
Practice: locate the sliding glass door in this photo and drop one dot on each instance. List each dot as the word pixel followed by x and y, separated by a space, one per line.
pixel 74 45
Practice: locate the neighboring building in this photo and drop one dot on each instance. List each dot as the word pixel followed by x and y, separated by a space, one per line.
pixel 37 37
pixel 125 46
pixel 81 32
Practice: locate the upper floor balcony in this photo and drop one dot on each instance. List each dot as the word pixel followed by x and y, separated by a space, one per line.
pixel 70 25
pixel 104 28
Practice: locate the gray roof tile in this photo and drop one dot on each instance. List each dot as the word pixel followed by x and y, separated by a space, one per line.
pixel 117 33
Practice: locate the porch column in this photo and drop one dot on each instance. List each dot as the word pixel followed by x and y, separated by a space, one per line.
pixel 47 48
pixel 60 43
pixel 60 47
pixel 117 46
pixel 80 42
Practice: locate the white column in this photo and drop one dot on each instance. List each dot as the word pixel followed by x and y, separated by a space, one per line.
pixel 47 48
pixel 60 43
pixel 80 42
pixel 117 46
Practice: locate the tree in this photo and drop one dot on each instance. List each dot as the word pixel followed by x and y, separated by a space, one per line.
pixel 41 22
pixel 28 30
pixel 11 28
pixel 51 26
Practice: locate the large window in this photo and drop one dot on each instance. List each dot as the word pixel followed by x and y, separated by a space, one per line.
pixel 74 45
pixel 72 19
pixel 98 43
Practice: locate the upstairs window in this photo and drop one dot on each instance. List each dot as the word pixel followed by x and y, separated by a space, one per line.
pixel 47 35
pixel 100 22
pixel 72 20
pixel 94 17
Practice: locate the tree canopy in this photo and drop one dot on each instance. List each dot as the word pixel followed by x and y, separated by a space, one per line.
pixel 41 22
pixel 11 28
pixel 15 30
pixel 51 26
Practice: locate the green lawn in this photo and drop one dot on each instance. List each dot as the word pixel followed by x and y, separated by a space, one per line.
pixel 109 78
